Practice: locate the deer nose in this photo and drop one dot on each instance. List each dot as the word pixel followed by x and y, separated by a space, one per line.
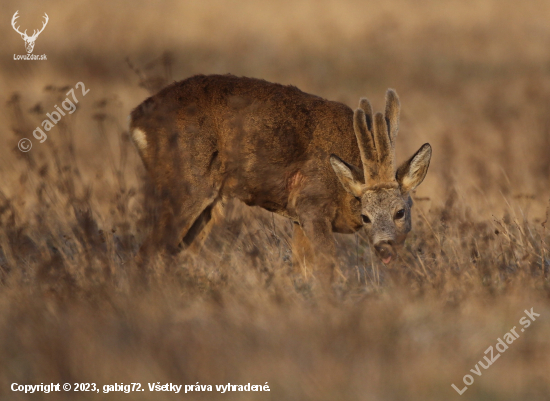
pixel 384 249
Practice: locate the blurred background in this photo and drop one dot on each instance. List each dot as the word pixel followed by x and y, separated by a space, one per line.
pixel 473 77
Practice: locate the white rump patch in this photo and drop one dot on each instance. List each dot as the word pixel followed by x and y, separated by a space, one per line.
pixel 138 135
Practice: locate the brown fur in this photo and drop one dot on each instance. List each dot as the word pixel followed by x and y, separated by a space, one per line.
pixel 211 138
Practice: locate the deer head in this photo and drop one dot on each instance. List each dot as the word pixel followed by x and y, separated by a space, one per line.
pixel 385 193
pixel 29 40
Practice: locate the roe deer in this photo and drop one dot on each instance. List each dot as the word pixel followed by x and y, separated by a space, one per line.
pixel 328 169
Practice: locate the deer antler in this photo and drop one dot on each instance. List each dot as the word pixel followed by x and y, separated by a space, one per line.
pixel 376 139
pixel 362 124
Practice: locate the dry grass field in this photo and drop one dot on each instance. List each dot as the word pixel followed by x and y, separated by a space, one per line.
pixel 474 81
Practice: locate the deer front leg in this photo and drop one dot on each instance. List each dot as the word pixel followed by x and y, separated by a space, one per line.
pixel 302 254
pixel 317 241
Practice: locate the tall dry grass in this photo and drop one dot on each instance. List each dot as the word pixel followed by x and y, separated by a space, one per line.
pixel 474 81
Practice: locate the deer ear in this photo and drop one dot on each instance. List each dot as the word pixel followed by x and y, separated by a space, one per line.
pixel 411 173
pixel 348 176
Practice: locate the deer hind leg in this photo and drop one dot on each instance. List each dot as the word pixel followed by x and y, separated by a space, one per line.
pixel 195 237
pixel 178 217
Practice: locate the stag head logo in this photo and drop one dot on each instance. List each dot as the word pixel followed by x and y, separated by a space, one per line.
pixel 29 40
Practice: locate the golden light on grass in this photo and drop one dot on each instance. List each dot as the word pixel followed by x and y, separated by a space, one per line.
pixel 474 81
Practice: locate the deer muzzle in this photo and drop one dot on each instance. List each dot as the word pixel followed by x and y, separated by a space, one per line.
pixel 385 251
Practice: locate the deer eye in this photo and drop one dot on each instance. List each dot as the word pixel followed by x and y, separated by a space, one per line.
pixel 366 219
pixel 400 214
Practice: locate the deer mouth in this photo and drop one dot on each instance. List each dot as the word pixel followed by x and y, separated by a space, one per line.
pixel 385 252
